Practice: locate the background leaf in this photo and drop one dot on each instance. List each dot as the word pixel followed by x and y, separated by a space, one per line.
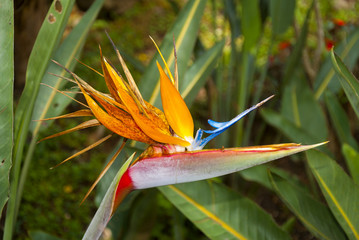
pixel 281 12
pixel 340 120
pixel 326 77
pixel 352 160
pixel 349 83
pixel 221 213
pixel 197 74
pixel 251 23
pixel 341 193
pixel 312 213
pixel 6 96
pixel 47 40
pixel 184 31
pixel 49 103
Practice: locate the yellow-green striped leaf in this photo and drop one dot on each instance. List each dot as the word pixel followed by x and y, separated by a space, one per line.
pixel 222 213
pixel 340 192
pixel 312 213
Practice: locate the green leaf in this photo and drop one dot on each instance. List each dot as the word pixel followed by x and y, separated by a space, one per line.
pixel 346 50
pixel 288 128
pixel 6 96
pixel 184 31
pixel 281 12
pixel 340 120
pixel 47 40
pixel 221 213
pixel 352 159
pixel 312 213
pixel 103 213
pixel 300 106
pixel 349 83
pixel 259 174
pixel 50 103
pixel 251 23
pixel 341 193
pixel 296 56
pixel 196 76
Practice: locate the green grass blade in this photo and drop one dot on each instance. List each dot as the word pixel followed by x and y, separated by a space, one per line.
pixel 340 120
pixel 184 31
pixel 197 74
pixel 312 213
pixel 208 204
pixel 352 158
pixel 281 12
pixel 341 193
pixel 6 96
pixel 349 83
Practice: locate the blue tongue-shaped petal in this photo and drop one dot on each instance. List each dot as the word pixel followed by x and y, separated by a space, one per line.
pixel 221 126
pixel 216 124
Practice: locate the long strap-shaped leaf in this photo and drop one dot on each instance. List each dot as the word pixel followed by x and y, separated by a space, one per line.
pixel 47 40
pixel 349 83
pixel 311 212
pixel 221 213
pixel 185 32
pixel 339 190
pixel 6 96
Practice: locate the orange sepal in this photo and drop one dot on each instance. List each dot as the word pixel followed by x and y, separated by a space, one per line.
pixel 176 111
pixel 121 125
pixel 152 125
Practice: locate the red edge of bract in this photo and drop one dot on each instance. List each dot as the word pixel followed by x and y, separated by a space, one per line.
pixel 124 187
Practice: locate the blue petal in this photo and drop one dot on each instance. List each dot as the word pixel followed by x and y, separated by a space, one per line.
pixel 221 127
pixel 216 124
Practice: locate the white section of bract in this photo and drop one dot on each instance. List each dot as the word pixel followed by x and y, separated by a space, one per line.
pixel 199 165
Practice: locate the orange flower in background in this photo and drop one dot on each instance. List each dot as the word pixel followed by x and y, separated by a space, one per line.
pixel 329 43
pixel 339 22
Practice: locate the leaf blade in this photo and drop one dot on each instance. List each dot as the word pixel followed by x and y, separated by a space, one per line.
pixel 349 83
pixel 6 96
pixel 336 186
pixel 207 208
pixel 315 215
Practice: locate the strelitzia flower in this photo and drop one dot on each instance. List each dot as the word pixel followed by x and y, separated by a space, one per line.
pixel 174 154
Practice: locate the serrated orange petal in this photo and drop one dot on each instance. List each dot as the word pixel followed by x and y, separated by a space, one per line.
pixel 176 111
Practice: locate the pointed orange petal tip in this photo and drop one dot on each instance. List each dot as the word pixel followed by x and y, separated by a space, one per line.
pixel 175 108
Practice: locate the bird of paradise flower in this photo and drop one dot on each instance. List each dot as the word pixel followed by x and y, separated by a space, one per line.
pixel 174 155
